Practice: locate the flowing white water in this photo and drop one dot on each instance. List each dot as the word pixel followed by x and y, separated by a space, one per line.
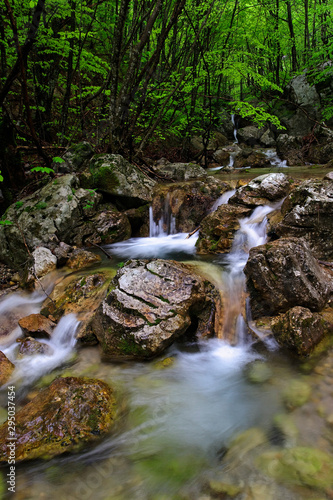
pixel 252 232
pixel 223 200
pixel 30 368
pixel 235 128
pixel 274 159
pixel 163 241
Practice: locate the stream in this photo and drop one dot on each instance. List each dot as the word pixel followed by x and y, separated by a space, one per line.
pixel 176 438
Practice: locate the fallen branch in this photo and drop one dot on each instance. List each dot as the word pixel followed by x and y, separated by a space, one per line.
pixel 102 249
pixel 192 233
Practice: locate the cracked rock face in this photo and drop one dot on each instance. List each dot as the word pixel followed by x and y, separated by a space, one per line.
pixel 149 305
pixel 283 274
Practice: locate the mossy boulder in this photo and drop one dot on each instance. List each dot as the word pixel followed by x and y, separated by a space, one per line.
pixel 123 182
pixel 302 466
pixel 151 303
pixel 300 330
pixel 180 171
pixel 48 215
pixel 61 418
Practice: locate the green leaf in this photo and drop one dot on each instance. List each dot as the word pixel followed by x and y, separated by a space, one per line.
pixel 45 170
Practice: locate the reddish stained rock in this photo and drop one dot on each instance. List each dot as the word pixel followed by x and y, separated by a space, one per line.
pixel 37 326
pixel 6 368
pixel 61 418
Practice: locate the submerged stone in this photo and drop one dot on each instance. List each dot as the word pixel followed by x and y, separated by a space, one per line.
pixel 61 418
pixel 296 394
pixel 300 465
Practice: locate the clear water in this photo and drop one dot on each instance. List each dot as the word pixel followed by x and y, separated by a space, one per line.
pixel 180 420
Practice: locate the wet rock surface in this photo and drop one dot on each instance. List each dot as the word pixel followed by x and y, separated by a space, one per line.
pixel 262 190
pixel 37 326
pixel 188 202
pixel 283 274
pixel 116 177
pixel 300 330
pixel 31 347
pixel 217 229
pixel 6 368
pixel 151 303
pixel 308 214
pixel 82 258
pixel 61 418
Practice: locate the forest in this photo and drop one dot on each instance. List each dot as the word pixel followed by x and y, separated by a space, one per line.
pixel 141 77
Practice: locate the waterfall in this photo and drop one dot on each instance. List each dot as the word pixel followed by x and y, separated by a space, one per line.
pixel 252 232
pixel 166 224
pixel 235 128
pixel 223 200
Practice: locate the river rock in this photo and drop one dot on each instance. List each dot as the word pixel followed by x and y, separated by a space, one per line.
pixel 262 190
pixel 62 253
pixel 81 296
pixel 61 418
pixel 106 227
pixel 308 214
pixel 300 330
pixel 218 228
pixel 283 274
pixel 150 304
pixel 255 159
pixel 31 347
pixel 180 171
pixel 329 176
pixel 44 261
pixel 267 139
pixel 6 368
pixel 37 326
pixel 188 202
pixel 48 214
pixel 125 184
pixel 302 466
pixel 82 258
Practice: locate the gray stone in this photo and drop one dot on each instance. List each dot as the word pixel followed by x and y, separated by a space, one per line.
pixel 181 171
pixel 115 176
pixel 45 217
pixel 150 304
pixel 283 274
pixel 262 190
pixel 45 262
pixel 74 158
pixel 308 214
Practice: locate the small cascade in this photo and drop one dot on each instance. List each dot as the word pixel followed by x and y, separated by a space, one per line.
pixel 166 224
pixel 274 159
pixel 30 368
pixel 252 232
pixel 235 128
pixel 223 200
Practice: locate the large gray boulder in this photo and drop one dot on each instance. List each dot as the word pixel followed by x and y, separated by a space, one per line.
pixel 75 158
pixel 308 213
pixel 51 213
pixel 283 274
pixel 123 182
pixel 150 304
pixel 262 190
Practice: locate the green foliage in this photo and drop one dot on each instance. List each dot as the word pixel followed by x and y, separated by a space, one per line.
pixel 257 114
pixel 19 204
pixel 44 170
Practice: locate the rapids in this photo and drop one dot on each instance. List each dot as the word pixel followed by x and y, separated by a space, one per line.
pixel 179 421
